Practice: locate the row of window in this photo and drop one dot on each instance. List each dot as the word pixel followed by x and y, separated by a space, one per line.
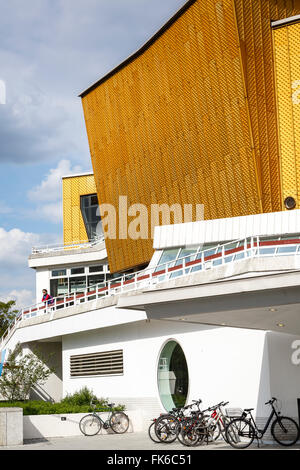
pixel 175 255
pixel 72 285
pixel 79 270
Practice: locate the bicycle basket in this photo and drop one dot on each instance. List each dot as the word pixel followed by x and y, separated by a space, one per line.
pixel 234 412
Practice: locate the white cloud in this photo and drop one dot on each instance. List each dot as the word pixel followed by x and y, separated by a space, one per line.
pixel 17 280
pixel 48 194
pixel 50 187
pixel 15 246
pixel 23 298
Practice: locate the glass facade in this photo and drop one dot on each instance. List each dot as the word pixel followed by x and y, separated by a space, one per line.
pixel 75 280
pixel 90 213
pixel 172 376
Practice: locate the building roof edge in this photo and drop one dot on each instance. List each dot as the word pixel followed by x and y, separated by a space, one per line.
pixel 142 49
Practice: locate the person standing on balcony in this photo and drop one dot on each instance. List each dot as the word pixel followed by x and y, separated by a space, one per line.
pixel 48 299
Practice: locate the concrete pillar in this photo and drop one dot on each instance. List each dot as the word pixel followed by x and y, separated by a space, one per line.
pixel 11 426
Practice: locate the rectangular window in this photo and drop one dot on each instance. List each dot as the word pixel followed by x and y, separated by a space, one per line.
pixel 77 284
pixel 59 272
pixel 100 363
pixel 77 271
pixel 97 279
pixel 89 209
pixel 96 269
pixel 59 287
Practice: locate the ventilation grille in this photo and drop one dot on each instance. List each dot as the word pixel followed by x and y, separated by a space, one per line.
pixel 101 363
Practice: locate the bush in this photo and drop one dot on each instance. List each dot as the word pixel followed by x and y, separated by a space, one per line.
pixel 78 402
pixel 47 408
pixel 82 397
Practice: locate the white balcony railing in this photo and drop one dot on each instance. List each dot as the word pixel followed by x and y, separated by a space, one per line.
pixel 204 260
pixel 71 246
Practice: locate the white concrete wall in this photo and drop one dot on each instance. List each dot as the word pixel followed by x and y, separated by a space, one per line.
pixel 64 425
pixel 224 363
pixel 284 375
pixel 231 228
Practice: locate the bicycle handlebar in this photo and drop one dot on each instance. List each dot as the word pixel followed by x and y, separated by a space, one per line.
pixel 222 403
pixel 270 402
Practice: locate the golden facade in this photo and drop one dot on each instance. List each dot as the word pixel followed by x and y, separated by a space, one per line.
pixel 192 118
pixel 287 73
pixel 73 224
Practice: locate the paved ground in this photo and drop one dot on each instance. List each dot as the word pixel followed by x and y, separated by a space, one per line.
pixel 115 442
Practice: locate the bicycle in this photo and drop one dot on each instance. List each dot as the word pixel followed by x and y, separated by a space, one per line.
pixel 202 427
pixel 92 423
pixel 167 426
pixel 219 420
pixel 241 432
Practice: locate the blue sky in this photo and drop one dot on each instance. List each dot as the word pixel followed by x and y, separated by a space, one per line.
pixel 50 51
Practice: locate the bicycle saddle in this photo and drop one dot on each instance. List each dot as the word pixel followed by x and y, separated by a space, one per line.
pixel 249 409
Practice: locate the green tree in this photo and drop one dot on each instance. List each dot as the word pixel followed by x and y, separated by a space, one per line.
pixel 23 372
pixel 8 313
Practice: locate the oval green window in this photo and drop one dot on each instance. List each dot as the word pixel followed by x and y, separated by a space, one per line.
pixel 173 377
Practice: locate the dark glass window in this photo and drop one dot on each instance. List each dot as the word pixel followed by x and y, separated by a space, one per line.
pixel 96 279
pixel 77 271
pixel 59 287
pixel 92 220
pixel 77 284
pixel 96 269
pixel 59 272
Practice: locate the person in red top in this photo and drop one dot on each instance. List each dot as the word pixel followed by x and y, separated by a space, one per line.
pixel 48 299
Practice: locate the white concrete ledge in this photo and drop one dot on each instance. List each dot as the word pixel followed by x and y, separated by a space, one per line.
pixel 65 425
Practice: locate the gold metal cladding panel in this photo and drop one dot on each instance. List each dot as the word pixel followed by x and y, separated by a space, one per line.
pixel 253 19
pixel 73 225
pixel 173 125
pixel 287 69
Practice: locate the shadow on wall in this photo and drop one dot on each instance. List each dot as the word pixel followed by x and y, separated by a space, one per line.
pixel 264 390
pixel 52 354
pixel 279 377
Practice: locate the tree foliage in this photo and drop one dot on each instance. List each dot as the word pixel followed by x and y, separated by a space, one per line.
pixel 23 372
pixel 8 313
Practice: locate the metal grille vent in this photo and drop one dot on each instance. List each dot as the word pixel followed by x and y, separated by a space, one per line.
pixel 100 363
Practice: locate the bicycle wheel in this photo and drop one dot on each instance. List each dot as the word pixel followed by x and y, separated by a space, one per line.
pixel 190 433
pixel 214 430
pixel 166 428
pixel 90 425
pixel 285 431
pixel 119 422
pixel 151 433
pixel 240 433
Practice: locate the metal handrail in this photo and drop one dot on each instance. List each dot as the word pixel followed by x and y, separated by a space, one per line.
pixel 66 246
pixel 146 278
